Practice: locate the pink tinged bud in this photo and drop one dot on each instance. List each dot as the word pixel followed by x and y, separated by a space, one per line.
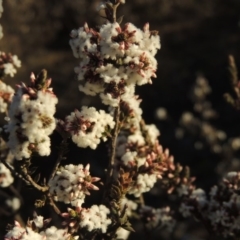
pixel 72 224
pixel 118 29
pixel 48 82
pixel 95 179
pixel 84 128
pixel 87 167
pixel 93 187
pixel 154 75
pixel 159 176
pixel 78 208
pixel 17 224
pixel 86 28
pixel 81 180
pixel 141 72
pixel 23 85
pixel 146 27
pixel 170 190
pixel 166 152
pixel 31 91
pixel 32 77
pixel 87 192
pixel 71 195
pixel 170 175
pixel 65 215
pixel 25 97
pixel 122 46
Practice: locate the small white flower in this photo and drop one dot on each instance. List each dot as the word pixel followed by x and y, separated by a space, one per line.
pixel 6 178
pixel 31 122
pixel 13 203
pixel 71 184
pixel 95 218
pixel 89 126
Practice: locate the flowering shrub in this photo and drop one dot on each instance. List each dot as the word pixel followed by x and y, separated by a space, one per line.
pixel 113 58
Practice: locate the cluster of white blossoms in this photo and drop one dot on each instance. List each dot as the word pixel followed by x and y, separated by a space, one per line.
pixel 89 126
pixel 8 64
pixel 221 210
pixel 157 218
pixel 6 94
pixel 114 59
pixel 141 151
pixel 91 219
pixel 71 184
pixel 31 119
pixel 6 178
pixel 95 218
pixel 27 233
pixel 198 196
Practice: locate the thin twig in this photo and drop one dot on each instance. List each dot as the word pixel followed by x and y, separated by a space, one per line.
pixel 113 147
pixel 142 201
pixel 61 153
pixel 114 13
pixel 113 142
pixel 32 182
pixel 54 206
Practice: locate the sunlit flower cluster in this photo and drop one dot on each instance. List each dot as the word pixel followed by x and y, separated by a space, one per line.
pixel 91 219
pixel 222 208
pixel 6 94
pixel 141 151
pixel 31 120
pixel 72 183
pixel 8 64
pixel 34 232
pixel 157 218
pixel 89 126
pixel 114 58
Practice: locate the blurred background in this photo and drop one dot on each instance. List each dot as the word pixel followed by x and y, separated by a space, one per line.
pixel 197 125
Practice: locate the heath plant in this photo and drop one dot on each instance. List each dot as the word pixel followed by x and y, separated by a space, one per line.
pixel 114 58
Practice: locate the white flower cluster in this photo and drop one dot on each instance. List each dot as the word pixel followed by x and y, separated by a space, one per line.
pixel 158 218
pixel 95 218
pixel 144 183
pixel 131 206
pixel 89 126
pixel 199 197
pixel 131 152
pixel 114 59
pixel 9 64
pixel 6 178
pixel 222 209
pixel 26 233
pixel 31 122
pixel 6 94
pixel 71 184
